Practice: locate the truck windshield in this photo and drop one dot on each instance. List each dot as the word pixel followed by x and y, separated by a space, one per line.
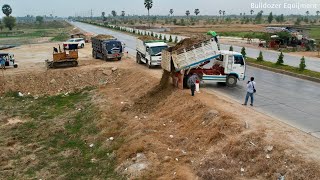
pixel 155 51
pixel 114 45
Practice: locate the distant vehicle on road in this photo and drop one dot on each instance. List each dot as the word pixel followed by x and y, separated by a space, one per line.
pixel 106 47
pixel 9 59
pixel 79 41
pixel 149 52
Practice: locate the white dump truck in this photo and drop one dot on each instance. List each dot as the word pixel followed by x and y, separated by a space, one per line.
pixel 207 61
pixel 149 51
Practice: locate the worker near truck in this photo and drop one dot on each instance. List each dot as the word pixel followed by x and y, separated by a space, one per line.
pixel 192 81
pixel 250 91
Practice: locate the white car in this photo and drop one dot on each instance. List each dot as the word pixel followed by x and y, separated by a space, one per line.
pixel 80 41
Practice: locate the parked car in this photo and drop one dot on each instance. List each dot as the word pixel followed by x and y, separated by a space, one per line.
pixel 80 41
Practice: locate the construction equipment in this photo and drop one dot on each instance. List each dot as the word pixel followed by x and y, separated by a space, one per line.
pixel 149 51
pixel 205 60
pixel 106 47
pixel 64 58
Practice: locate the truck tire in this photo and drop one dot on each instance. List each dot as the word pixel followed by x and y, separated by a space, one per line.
pixel 15 66
pixel 82 45
pixel 148 65
pixel 231 81
pixel 94 54
pixel 119 58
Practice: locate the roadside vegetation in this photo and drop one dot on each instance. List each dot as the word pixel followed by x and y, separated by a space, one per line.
pixel 52 137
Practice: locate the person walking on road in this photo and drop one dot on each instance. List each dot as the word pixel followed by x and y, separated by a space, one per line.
pixel 250 91
pixel 192 81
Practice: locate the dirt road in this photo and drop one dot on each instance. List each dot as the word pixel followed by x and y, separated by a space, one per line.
pixel 163 133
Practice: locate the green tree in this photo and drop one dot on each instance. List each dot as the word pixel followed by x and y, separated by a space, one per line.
pixel 270 18
pixel 280 59
pixel 103 15
pixel 196 11
pixel 171 12
pixel 39 19
pixel 231 48
pixel 123 14
pixel 148 5
pixel 258 18
pixel 302 65
pixel 260 58
pixel 187 13
pixel 160 36
pixel 285 36
pixel 1 26
pixel 7 10
pixel 9 22
pixel 170 39
pixel 243 52
pixel 165 38
pixel 176 40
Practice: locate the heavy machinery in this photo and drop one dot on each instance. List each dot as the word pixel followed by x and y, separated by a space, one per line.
pixel 64 58
pixel 149 51
pixel 106 47
pixel 205 60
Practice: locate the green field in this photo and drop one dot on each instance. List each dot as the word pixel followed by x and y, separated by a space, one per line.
pixel 30 32
pixel 315 32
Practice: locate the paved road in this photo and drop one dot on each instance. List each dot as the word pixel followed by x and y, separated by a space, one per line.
pixel 289 59
pixel 295 101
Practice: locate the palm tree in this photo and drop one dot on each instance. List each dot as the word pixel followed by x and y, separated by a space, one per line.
pixel 251 12
pixel 148 5
pixel 114 14
pixel 103 15
pixel 171 11
pixel 240 14
pixel 307 13
pixel 7 10
pixel 318 12
pixel 187 13
pixel 223 13
pixel 196 11
pixel 123 13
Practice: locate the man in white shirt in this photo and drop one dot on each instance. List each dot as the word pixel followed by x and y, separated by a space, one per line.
pixel 251 89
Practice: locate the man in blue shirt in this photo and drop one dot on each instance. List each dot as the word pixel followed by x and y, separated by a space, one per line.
pixel 2 63
pixel 250 91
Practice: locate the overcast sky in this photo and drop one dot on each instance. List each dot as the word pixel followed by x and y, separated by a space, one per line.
pixel 160 7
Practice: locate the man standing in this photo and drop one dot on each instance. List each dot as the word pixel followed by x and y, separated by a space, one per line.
pixel 2 63
pixel 250 91
pixel 192 81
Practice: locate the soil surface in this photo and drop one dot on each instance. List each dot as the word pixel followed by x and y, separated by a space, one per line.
pixel 166 133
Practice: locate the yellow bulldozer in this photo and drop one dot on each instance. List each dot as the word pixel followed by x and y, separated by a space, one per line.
pixel 64 58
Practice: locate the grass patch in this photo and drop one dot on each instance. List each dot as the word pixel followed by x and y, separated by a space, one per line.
pixel 257 35
pixel 285 67
pixel 315 32
pixel 56 130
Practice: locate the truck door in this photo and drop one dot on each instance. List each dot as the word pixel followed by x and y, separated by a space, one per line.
pixel 238 66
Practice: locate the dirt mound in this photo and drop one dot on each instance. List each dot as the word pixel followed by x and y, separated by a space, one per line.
pixel 189 42
pixel 147 38
pixel 148 102
pixel 103 36
pixel 57 81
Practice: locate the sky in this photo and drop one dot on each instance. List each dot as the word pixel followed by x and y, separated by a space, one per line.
pixel 64 8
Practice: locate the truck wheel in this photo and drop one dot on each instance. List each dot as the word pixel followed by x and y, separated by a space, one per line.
pixel 148 65
pixel 119 58
pixel 82 45
pixel 231 81
pixel 15 66
pixel 94 55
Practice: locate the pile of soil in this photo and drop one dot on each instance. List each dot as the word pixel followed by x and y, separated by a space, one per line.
pixel 148 102
pixel 57 81
pixel 189 42
pixel 103 37
pixel 147 38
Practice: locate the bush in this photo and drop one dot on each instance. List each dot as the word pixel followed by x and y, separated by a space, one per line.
pixel 170 39
pixel 280 59
pixel 231 48
pixel 260 58
pixel 160 37
pixel 176 39
pixel 165 38
pixel 243 52
pixel 302 65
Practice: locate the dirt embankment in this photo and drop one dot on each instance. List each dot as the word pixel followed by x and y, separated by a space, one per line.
pixel 170 135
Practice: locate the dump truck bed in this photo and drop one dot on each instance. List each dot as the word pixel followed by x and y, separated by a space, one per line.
pixel 189 57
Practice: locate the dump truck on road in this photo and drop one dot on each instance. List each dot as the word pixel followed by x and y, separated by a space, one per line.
pixel 106 47
pixel 206 60
pixel 149 51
